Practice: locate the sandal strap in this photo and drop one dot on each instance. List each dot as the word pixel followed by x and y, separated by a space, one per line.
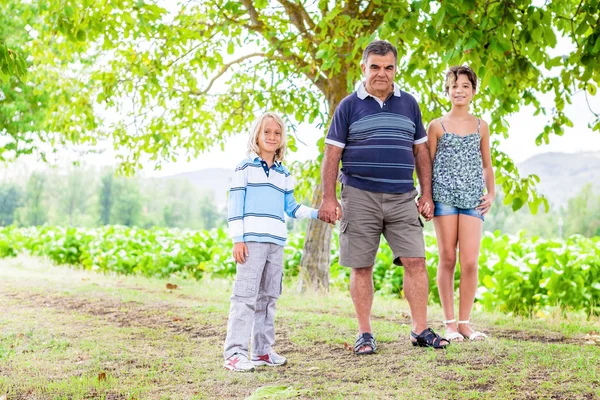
pixel 454 336
pixel 365 339
pixel 475 335
pixel 464 322
pixel 428 338
pixel 448 321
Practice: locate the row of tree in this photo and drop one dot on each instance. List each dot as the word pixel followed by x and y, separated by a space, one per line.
pixel 81 198
pixel 85 198
pixel 581 215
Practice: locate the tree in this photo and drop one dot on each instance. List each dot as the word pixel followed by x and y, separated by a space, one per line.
pixel 178 198
pixel 34 88
pixel 583 213
pixel 34 213
pixel 208 214
pixel 105 196
pixel 127 206
pixel 197 73
pixel 11 197
pixel 74 192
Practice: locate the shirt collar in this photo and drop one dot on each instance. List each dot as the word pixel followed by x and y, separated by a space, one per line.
pixel 255 157
pixel 362 93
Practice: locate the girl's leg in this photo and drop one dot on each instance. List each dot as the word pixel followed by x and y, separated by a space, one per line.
pixel 243 300
pixel 469 241
pixel 446 232
pixel 269 290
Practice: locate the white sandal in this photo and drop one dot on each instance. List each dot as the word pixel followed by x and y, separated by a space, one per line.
pixel 473 335
pixel 454 336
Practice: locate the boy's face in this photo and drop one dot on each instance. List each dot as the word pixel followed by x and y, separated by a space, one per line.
pixel 461 92
pixel 269 140
pixel 379 73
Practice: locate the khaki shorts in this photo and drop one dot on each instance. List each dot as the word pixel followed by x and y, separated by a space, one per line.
pixel 366 215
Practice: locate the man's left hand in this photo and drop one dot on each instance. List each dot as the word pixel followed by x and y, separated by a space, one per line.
pixel 425 206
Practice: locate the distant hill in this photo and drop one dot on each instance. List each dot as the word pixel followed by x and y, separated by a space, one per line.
pixel 216 180
pixel 562 176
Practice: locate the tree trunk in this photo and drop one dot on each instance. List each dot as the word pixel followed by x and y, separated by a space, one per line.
pixel 314 265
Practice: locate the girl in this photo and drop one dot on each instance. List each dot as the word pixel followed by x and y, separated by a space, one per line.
pixel 261 191
pixel 459 145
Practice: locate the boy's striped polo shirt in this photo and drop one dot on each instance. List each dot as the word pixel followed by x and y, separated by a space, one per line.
pixel 259 199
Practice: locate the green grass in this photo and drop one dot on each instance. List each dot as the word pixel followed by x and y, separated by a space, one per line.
pixel 61 329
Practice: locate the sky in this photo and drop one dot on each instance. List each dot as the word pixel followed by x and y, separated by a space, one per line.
pixel 524 128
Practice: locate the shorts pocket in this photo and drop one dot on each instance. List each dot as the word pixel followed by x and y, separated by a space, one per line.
pixel 343 226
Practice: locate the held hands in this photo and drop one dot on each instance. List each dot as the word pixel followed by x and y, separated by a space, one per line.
pixel 486 203
pixel 330 211
pixel 425 207
pixel 240 252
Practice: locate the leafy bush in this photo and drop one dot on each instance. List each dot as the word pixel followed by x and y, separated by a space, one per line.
pixel 516 274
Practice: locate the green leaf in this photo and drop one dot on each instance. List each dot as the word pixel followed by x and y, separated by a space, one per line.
pixel 230 47
pixel 591 88
pixel 517 203
pixel 275 392
pixel 496 85
pixel 596 48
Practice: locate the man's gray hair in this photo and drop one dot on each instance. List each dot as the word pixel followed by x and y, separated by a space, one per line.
pixel 380 48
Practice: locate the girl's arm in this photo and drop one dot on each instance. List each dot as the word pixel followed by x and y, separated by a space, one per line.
pixel 432 138
pixel 292 208
pixel 488 171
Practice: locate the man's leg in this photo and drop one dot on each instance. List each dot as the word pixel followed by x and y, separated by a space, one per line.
pixel 416 290
pixel 360 232
pixel 361 290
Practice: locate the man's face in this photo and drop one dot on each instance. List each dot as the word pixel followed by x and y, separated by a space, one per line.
pixel 379 73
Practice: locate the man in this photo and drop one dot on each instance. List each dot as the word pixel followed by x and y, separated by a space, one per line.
pixel 378 135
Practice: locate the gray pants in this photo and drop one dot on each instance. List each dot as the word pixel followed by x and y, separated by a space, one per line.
pixel 256 288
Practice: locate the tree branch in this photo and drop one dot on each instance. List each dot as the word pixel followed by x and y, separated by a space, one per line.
pixel 259 27
pixel 225 67
pixel 368 11
pixel 588 102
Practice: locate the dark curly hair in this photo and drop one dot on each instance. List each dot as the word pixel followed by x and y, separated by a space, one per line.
pixel 454 72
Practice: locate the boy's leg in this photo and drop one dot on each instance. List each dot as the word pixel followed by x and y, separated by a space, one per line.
pixel 269 290
pixel 243 299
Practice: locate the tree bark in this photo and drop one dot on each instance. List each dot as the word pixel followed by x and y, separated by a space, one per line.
pixel 314 265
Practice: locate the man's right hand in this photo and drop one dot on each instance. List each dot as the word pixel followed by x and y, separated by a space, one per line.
pixel 330 211
pixel 240 252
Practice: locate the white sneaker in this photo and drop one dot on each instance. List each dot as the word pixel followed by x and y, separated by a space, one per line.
pixel 272 359
pixel 239 363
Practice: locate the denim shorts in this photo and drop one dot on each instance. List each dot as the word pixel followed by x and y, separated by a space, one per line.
pixel 442 209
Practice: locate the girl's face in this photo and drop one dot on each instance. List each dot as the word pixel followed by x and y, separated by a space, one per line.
pixel 269 140
pixel 461 92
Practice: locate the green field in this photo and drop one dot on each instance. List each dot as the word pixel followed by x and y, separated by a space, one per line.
pixel 74 334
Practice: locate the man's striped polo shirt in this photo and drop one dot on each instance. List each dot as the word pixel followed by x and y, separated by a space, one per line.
pixel 377 138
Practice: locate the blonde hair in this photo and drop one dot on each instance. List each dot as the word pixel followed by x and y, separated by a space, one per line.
pixel 259 126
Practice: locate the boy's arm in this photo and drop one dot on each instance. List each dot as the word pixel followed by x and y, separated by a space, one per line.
pixel 292 208
pixel 237 198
